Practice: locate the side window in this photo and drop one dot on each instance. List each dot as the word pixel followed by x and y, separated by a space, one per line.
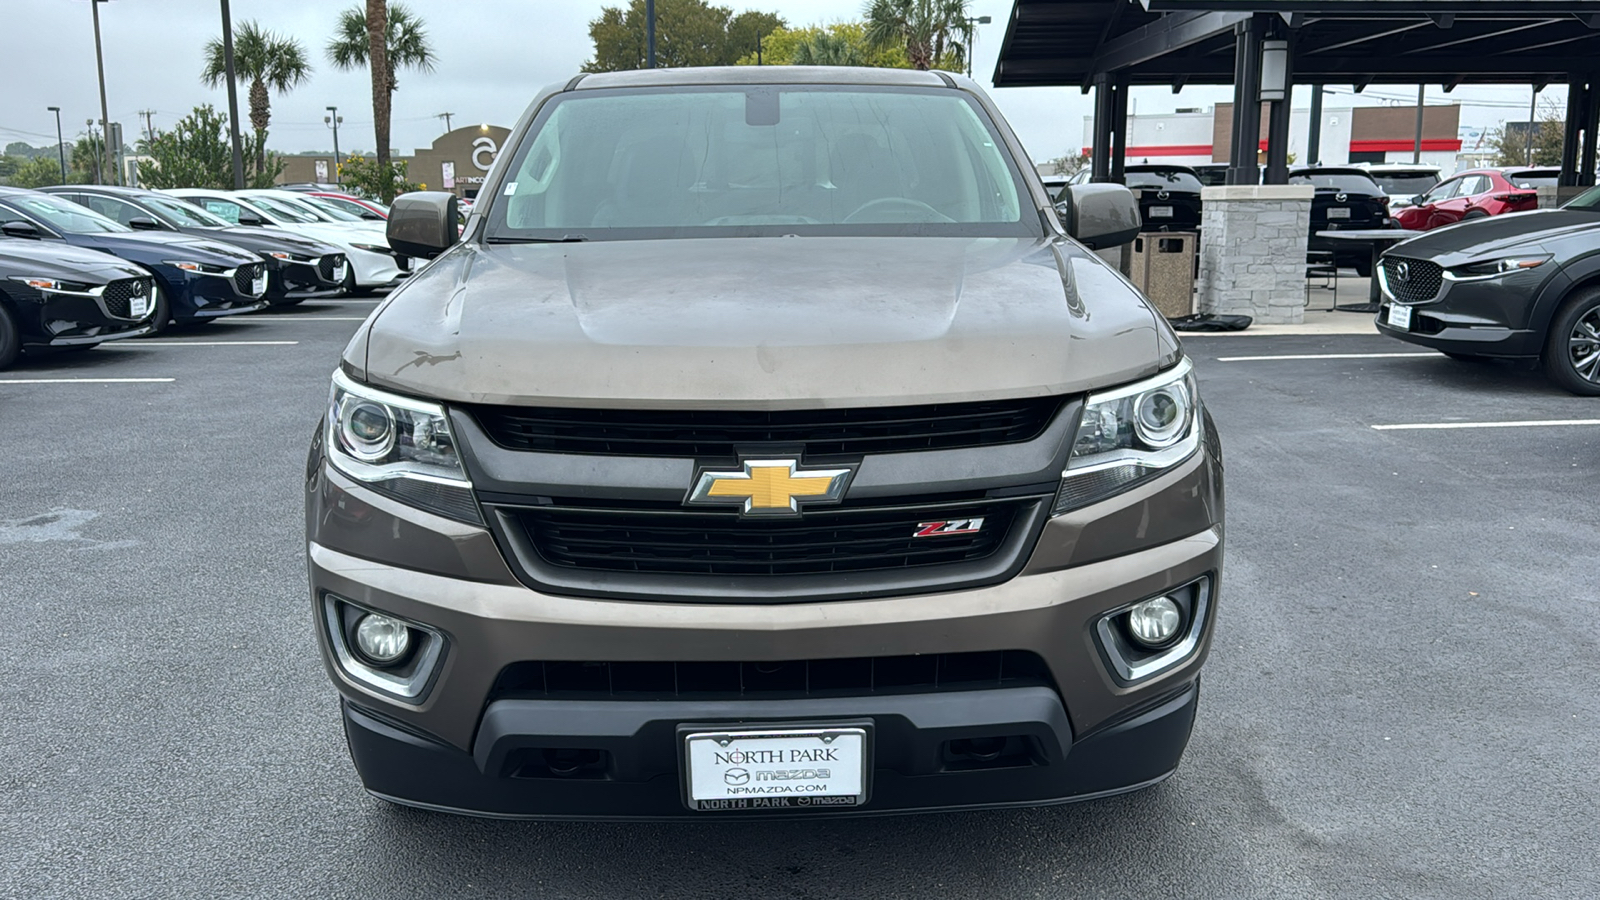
pixel 221 208
pixel 110 207
pixel 1442 192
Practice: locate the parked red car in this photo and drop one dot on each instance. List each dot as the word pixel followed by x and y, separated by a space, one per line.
pixel 1475 194
pixel 365 209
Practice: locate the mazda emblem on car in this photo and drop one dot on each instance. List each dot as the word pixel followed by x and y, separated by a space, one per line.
pixel 769 487
pixel 1402 273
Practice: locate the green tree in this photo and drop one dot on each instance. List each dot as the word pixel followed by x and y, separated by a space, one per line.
pixel 197 153
pixel 38 171
pixel 269 62
pixel 839 44
pixel 1510 145
pixel 356 44
pixel 368 178
pixel 933 32
pixel 688 33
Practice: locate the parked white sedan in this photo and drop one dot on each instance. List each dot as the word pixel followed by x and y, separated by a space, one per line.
pixel 372 263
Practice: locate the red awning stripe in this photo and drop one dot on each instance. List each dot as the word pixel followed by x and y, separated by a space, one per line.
pixel 1165 150
pixel 1446 144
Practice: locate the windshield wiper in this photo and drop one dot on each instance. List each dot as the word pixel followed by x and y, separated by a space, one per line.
pixel 564 239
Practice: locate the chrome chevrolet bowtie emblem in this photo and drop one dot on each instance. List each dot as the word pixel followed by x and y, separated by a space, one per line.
pixel 769 487
pixel 1402 273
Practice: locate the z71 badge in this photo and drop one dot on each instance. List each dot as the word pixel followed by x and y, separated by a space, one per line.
pixel 954 526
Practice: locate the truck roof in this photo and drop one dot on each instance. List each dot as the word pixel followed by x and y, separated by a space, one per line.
pixel 741 75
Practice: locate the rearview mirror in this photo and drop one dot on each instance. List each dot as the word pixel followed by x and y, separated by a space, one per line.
pixel 423 223
pixel 20 230
pixel 144 223
pixel 1100 216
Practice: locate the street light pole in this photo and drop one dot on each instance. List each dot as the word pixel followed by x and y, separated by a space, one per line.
pixel 100 64
pixel 972 35
pixel 650 33
pixel 233 98
pixel 333 119
pixel 61 143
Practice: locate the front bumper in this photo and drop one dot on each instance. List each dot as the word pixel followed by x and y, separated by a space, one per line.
pixel 1491 317
pixel 1091 733
pixel 64 321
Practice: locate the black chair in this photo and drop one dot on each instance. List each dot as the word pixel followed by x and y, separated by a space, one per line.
pixel 1320 264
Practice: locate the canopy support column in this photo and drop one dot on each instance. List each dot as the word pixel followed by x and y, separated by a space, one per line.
pixel 1119 141
pixel 1104 116
pixel 1244 166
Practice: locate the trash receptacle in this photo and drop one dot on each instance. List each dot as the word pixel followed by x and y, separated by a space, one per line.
pixel 1163 267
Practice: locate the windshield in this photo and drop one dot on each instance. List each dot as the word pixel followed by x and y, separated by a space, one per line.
pixel 1405 184
pixel 284 211
pixel 184 214
pixel 1163 179
pixel 331 210
pixel 761 161
pixel 1534 178
pixel 1345 182
pixel 64 215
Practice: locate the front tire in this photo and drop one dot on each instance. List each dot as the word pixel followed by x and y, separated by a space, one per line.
pixel 1572 348
pixel 161 318
pixel 10 339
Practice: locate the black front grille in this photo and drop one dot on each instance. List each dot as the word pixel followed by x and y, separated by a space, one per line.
pixel 724 544
pixel 792 678
pixel 244 278
pixel 700 433
pixel 118 296
pixel 1420 282
pixel 327 265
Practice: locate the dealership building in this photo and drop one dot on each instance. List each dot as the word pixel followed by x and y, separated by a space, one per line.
pixel 457 162
pixel 1370 134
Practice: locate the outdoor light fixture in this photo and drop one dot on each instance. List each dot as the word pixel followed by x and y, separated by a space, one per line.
pixel 1274 70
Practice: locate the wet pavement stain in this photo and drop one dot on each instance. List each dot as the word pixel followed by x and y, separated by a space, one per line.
pixel 55 525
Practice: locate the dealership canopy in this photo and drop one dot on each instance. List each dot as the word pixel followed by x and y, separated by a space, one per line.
pixel 1113 44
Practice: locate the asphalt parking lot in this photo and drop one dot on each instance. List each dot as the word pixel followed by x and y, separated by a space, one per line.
pixel 1402 700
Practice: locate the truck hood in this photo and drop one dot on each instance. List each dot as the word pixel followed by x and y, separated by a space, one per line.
pixel 765 323
pixel 1496 235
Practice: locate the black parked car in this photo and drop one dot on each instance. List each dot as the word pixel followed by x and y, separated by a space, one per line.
pixel 198 280
pixel 1522 285
pixel 302 268
pixel 63 298
pixel 1169 196
pixel 1346 198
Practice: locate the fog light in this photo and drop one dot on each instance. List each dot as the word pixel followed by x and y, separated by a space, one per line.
pixel 1155 622
pixel 382 639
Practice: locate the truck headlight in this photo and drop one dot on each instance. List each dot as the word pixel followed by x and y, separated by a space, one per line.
pixel 1130 434
pixel 398 446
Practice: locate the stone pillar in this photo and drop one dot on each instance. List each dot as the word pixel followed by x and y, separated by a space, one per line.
pixel 1253 251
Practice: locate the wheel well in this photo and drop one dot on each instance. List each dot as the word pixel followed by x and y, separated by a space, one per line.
pixel 1545 313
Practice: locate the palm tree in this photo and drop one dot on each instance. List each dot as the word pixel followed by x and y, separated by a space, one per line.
pixel 356 43
pixel 269 62
pixel 825 49
pixel 928 29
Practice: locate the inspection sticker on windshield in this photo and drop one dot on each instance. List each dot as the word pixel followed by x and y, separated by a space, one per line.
pixel 801 768
pixel 1400 317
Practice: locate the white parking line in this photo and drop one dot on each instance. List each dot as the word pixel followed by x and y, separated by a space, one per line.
pixel 1326 356
pixel 1440 426
pixel 87 380
pixel 204 344
pixel 310 319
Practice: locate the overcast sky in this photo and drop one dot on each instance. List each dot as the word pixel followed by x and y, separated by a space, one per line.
pixel 493 56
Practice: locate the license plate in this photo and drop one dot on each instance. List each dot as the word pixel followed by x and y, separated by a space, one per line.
pixel 1160 212
pixel 801 768
pixel 1400 317
pixel 138 306
pixel 1339 212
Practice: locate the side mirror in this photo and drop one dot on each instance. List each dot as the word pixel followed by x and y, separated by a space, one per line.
pixel 371 216
pixel 423 223
pixel 251 220
pixel 20 230
pixel 1100 216
pixel 144 223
